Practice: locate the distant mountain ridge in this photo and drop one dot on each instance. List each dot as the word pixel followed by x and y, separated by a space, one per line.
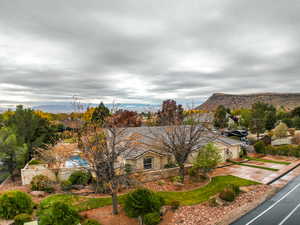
pixel 68 107
pixel 233 101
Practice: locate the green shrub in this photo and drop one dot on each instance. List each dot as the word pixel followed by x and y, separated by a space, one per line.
pixel 177 179
pixel 285 150
pixel 151 218
pixel 66 185
pixel 243 152
pixel 236 189
pixel 193 172
pixel 175 205
pixel 80 177
pixel 212 202
pixel 227 195
pixel 13 203
pixel 160 182
pixel 170 165
pixel 41 183
pixel 59 214
pixel 141 202
pixel 22 218
pixel 260 147
pixel 91 222
pixel 35 162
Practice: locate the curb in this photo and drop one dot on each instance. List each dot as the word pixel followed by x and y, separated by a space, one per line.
pixel 243 210
pixel 283 174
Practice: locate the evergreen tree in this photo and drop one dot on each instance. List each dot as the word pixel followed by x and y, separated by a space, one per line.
pixel 100 113
pixel 258 118
pixel 31 129
pixel 11 153
pixel 221 118
pixel 271 118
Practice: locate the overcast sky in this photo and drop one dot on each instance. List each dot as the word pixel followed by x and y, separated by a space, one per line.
pixel 146 51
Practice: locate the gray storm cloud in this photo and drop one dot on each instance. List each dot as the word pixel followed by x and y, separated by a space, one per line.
pixel 145 51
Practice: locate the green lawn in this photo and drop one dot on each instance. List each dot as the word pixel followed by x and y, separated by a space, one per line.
pixel 254 166
pixel 268 161
pixel 186 198
pixel 200 195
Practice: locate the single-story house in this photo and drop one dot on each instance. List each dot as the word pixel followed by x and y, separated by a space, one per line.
pixel 143 157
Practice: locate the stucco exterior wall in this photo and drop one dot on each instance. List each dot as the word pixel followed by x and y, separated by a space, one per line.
pixel 31 171
pixel 158 161
pixel 234 153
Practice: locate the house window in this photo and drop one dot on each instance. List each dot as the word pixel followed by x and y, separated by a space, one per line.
pixel 148 163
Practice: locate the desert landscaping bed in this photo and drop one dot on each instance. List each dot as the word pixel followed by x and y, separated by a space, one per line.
pixel 208 215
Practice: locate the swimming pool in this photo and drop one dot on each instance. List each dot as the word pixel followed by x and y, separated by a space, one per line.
pixel 76 161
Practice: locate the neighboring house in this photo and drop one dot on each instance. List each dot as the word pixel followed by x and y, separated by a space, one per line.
pixel 142 157
pixel 282 141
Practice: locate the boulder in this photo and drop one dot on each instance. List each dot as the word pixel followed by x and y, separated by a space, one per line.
pixel 38 193
pixel 163 210
pixel 78 186
pixel 244 189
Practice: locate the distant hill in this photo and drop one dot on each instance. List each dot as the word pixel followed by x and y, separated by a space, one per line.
pixel 68 107
pixel 287 100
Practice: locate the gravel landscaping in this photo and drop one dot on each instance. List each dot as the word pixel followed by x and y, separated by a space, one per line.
pixel 205 215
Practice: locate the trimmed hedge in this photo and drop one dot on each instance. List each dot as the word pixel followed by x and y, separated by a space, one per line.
pixel 66 185
pixel 80 177
pixel 284 150
pixel 59 213
pixel 13 203
pixel 230 192
pixel 22 218
pixel 141 202
pixel 151 218
pixel 41 183
pixel 227 195
pixel 260 147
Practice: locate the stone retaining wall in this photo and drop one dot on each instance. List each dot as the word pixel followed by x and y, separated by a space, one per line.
pixel 30 171
pixel 154 175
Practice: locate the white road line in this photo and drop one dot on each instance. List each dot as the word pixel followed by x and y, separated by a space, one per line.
pixel 255 218
pixel 289 215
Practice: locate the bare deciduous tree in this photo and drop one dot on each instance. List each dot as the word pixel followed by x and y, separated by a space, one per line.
pixel 179 141
pixel 103 147
pixel 56 156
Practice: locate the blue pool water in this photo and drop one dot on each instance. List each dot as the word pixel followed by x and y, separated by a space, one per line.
pixel 76 161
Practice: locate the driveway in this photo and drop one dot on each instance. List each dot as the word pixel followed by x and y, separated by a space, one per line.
pixel 256 174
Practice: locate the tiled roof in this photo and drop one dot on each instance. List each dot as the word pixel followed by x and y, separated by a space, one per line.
pixel 143 132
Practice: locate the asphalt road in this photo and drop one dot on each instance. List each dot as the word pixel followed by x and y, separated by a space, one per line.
pixel 282 209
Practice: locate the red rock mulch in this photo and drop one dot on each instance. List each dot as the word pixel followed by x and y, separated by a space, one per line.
pixel 105 217
pixel 203 214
